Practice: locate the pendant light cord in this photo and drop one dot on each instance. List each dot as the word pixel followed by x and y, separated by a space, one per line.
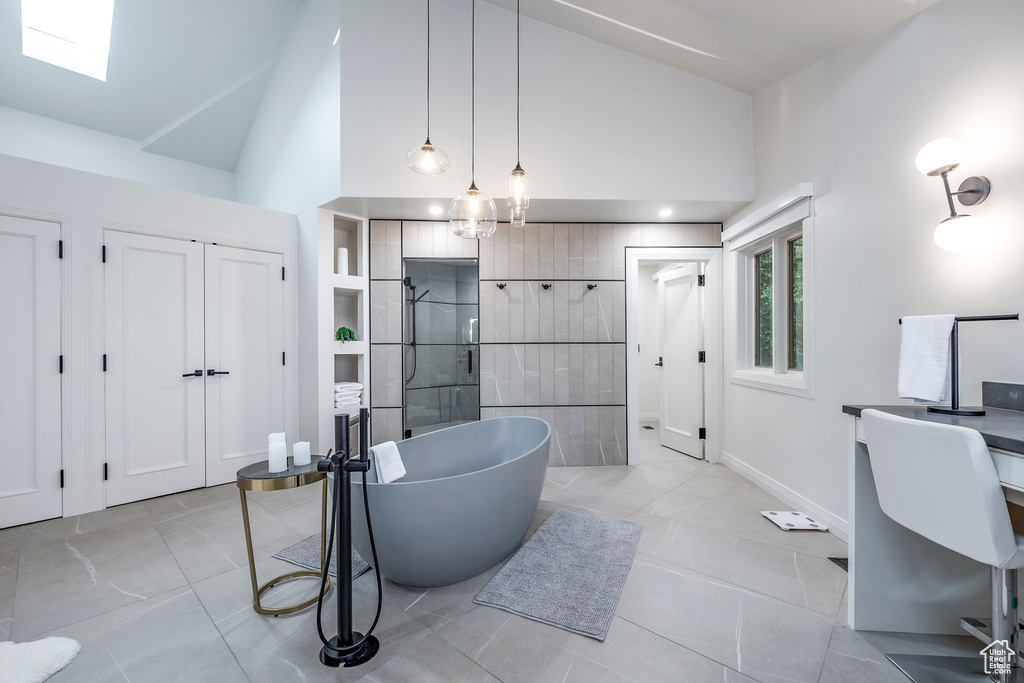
pixel 428 69
pixel 518 135
pixel 473 99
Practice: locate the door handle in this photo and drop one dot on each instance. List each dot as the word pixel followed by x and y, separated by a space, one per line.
pixel 211 373
pixel 196 373
pixel 470 358
pixel 660 361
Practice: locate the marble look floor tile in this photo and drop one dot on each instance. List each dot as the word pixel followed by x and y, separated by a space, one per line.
pixel 803 580
pixel 167 638
pixel 64 581
pixel 276 501
pixel 229 593
pixel 617 487
pixel 8 583
pixel 211 540
pixel 304 517
pixel 178 504
pixel 742 519
pixel 595 504
pixel 730 489
pixel 8 558
pixel 5 629
pixel 764 638
pixel 37 534
pixel 438 607
pixel 432 659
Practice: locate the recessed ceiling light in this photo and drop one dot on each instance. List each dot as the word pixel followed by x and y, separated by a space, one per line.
pixel 665 213
pixel 436 210
pixel 71 34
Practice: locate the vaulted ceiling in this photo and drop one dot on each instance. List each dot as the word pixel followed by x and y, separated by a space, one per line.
pixel 185 77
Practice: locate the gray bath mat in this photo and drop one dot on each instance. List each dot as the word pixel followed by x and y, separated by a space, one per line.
pixel 306 553
pixel 569 574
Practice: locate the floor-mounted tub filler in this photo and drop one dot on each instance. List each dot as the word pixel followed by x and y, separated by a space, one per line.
pixel 465 504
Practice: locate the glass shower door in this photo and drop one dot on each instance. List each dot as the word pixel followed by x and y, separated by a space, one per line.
pixel 441 336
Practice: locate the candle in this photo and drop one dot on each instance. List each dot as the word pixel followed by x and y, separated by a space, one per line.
pixel 342 261
pixel 278 457
pixel 300 453
pixel 277 437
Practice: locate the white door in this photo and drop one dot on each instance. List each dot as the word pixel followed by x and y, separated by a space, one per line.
pixel 244 347
pixel 682 381
pixel 30 410
pixel 153 293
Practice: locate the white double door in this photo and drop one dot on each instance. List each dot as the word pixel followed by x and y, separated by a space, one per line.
pixel 194 341
pixel 30 388
pixel 682 382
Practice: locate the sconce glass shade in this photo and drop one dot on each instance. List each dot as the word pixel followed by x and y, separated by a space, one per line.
pixel 940 156
pixel 962 233
pixel 426 159
pixel 518 195
pixel 473 214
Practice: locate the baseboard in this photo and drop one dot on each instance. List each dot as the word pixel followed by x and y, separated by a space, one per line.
pixel 650 417
pixel 837 526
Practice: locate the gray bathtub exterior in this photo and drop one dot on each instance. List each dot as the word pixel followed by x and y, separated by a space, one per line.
pixel 465 504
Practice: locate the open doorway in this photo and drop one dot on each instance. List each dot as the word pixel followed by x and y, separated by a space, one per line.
pixel 674 360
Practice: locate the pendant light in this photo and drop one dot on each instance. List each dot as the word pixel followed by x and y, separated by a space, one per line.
pixel 426 159
pixel 473 213
pixel 518 181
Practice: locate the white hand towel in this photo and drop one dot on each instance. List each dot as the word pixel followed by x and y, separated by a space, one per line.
pixel 342 386
pixel 387 462
pixel 925 358
pixel 347 394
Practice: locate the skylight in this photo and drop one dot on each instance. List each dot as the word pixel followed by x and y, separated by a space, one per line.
pixel 71 34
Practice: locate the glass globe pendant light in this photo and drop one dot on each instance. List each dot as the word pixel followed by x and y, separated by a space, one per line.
pixel 518 180
pixel 426 159
pixel 473 214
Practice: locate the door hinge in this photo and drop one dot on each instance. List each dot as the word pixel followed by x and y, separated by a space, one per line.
pixel 700 281
pixel 62 478
pixel 60 248
pixel 104 362
pixel 700 357
pixel 282 272
pixel 702 433
pixel 106 471
pixel 62 363
pixel 103 253
pixel 282 358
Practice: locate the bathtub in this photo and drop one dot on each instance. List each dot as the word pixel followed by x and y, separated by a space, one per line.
pixel 465 504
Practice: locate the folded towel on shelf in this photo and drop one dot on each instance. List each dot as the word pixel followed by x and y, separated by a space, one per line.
pixel 387 462
pixel 342 386
pixel 346 399
pixel 925 359
pixel 347 402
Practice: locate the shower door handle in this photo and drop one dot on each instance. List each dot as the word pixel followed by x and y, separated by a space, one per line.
pixel 470 357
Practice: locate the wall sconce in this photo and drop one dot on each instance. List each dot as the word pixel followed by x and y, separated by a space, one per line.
pixel 959 232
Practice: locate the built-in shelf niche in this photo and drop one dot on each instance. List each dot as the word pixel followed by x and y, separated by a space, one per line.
pixel 348 234
pixel 351 368
pixel 348 312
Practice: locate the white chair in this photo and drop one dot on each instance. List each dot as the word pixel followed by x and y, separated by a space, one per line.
pixel 939 481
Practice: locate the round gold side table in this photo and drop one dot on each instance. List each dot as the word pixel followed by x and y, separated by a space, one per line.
pixel 258 477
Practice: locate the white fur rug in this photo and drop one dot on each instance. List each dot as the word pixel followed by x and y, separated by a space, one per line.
pixel 36 661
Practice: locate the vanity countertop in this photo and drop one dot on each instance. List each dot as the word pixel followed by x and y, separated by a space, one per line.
pixel 1000 428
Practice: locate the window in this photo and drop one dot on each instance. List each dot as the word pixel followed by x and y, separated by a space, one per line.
pixel 773 302
pixel 71 34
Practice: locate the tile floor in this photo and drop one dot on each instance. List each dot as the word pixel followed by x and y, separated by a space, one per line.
pixel 159 591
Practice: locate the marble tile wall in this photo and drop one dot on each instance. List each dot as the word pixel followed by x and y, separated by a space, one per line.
pixel 580 435
pixel 558 353
pixel 386 424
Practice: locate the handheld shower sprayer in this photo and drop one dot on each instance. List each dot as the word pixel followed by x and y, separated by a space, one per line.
pixel 348 648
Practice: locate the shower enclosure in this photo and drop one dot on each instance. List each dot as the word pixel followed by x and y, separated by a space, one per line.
pixel 441 336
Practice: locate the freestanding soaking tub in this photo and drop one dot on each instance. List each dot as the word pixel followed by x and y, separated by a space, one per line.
pixel 465 504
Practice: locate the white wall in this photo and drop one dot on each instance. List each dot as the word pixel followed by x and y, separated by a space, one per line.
pixel 853 124
pixel 650 342
pixel 86 204
pixel 597 122
pixel 290 162
pixel 30 136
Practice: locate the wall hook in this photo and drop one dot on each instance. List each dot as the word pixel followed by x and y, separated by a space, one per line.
pixel 591 286
pixel 501 285
pixel 546 285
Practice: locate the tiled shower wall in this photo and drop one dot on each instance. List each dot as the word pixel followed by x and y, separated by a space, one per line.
pixel 390 242
pixel 556 352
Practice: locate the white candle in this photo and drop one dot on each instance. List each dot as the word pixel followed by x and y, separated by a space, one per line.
pixel 300 453
pixel 277 437
pixel 342 261
pixel 278 457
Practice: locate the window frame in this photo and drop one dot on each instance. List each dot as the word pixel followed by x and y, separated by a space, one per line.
pixel 776 233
